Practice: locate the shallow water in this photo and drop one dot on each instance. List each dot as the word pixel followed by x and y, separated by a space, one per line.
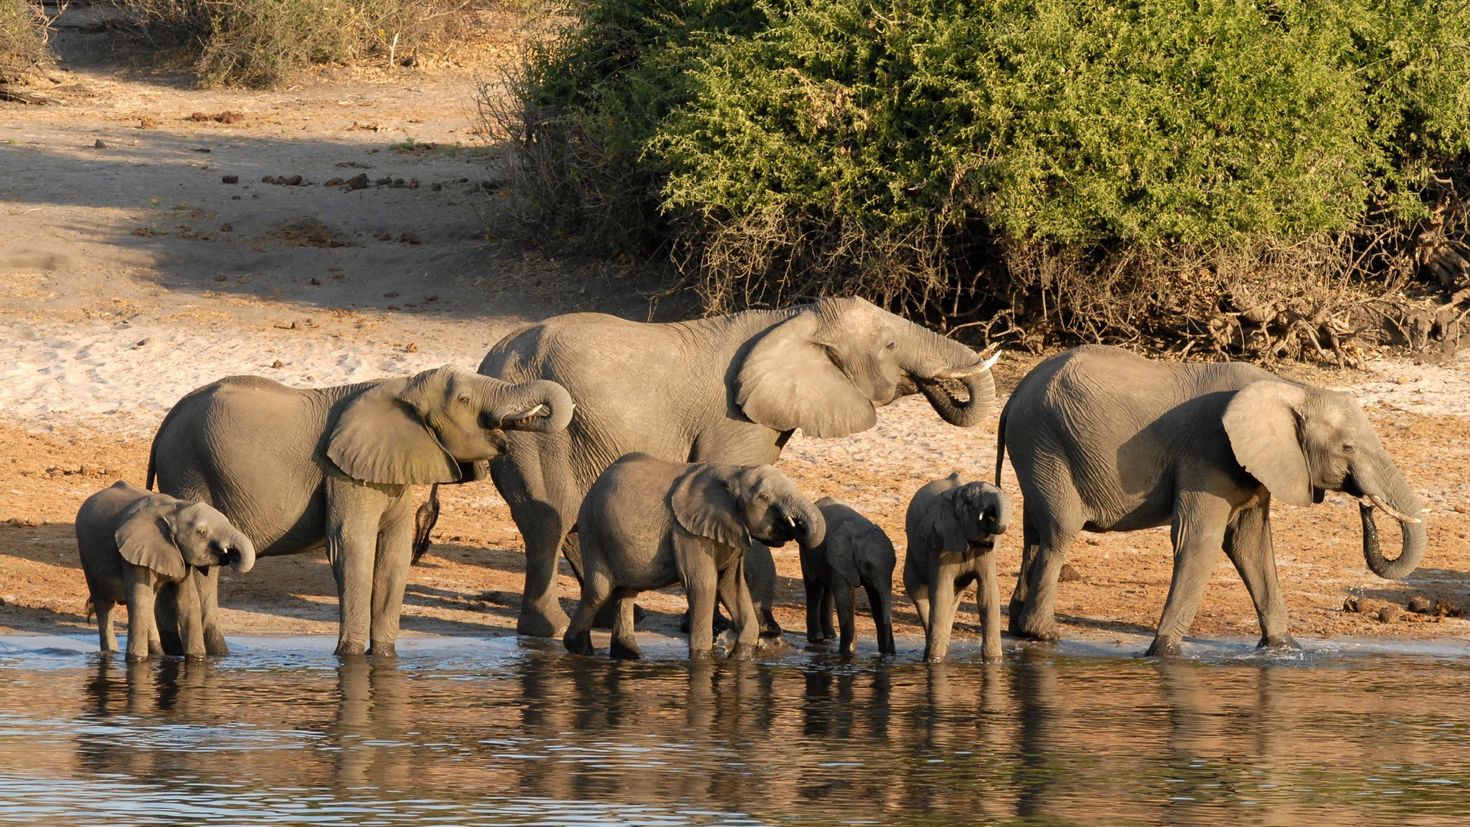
pixel 489 731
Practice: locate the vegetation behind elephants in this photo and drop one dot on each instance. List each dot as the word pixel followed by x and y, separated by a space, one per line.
pixel 131 272
pixel 1241 178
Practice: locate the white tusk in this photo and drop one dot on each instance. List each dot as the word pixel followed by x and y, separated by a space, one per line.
pixel 791 520
pixel 539 410
pixel 1391 511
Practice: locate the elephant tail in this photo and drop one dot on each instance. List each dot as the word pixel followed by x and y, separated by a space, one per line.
pixel 423 524
pixel 1000 444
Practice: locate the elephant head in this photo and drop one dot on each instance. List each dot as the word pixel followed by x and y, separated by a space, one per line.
pixel 440 426
pixel 1300 441
pixel 733 504
pixel 973 513
pixel 167 535
pixel 827 367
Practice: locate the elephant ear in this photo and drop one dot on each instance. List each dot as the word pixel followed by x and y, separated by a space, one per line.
pixel 145 537
pixel 704 506
pixel 944 521
pixel 1262 422
pixel 382 438
pixel 788 380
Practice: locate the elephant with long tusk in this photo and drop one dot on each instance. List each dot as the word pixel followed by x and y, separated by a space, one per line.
pixel 1104 440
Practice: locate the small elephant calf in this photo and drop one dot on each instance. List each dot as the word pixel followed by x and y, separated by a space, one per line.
pixel 647 523
pixel 855 553
pixel 951 527
pixel 134 542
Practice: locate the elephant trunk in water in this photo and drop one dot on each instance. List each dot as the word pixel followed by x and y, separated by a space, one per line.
pixel 538 405
pixel 932 359
pixel 1385 488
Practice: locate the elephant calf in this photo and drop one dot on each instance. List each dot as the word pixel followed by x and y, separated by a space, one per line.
pixel 951 527
pixel 134 542
pixel 647 523
pixel 855 553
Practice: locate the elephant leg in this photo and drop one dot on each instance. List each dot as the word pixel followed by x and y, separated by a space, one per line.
pixel 1037 618
pixel 352 539
pixel 842 594
pixel 816 604
pixel 942 600
pixel 829 609
pixel 544 510
pixel 140 614
pixel 700 584
pixel 987 595
pixel 191 620
pixel 624 640
pixel 1198 532
pixel 597 590
pixel 106 637
pixel 1248 545
pixel 881 605
pixel 394 556
pixel 155 643
pixel 166 619
pixel 735 593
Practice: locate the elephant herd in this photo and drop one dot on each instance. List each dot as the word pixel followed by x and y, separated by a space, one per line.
pixel 643 453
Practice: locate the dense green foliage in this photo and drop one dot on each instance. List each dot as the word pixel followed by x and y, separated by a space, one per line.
pixel 905 147
pixel 261 42
pixel 22 37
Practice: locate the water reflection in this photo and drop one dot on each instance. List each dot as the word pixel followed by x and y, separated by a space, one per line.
pixel 530 736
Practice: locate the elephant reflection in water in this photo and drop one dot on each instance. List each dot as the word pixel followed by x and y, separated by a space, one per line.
pixel 372 729
pixel 150 692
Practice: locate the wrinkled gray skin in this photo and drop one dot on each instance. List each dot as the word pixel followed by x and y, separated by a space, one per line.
pixel 648 523
pixel 855 554
pixel 951 527
pixel 727 389
pixel 296 469
pixel 1104 440
pixel 133 543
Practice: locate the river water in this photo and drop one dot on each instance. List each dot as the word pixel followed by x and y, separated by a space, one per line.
pixel 488 730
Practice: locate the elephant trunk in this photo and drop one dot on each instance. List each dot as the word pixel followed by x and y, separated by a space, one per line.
pixel 540 405
pixel 932 359
pixel 240 552
pixel 883 620
pixel 811 527
pixel 1391 492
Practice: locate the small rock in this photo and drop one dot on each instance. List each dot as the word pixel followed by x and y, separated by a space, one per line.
pixel 278 364
pixel 333 182
pixel 434 186
pixel 1420 605
pixel 289 181
pixel 91 470
pixel 399 183
pixel 1462 508
pixel 230 179
pixel 226 227
pixel 99 145
pixel 384 236
pixel 1402 380
pixel 146 122
pixel 358 181
pixel 409 238
pixel 1069 574
pixel 267 179
pixel 315 282
pixel 1389 614
pixel 384 181
pixel 142 343
pixel 411 347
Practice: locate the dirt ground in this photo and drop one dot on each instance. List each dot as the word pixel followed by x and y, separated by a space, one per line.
pixel 144 254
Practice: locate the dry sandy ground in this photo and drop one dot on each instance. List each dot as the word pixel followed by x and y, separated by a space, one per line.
pixel 132 272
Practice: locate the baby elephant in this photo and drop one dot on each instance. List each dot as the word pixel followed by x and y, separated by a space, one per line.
pixel 647 523
pixel 951 529
pixel 855 553
pixel 134 542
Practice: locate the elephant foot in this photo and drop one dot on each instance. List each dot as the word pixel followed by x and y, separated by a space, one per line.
pixel 1163 648
pixel 534 622
pixel 214 642
pixel 769 626
pixel 351 649
pixel 579 643
pixel 383 650
pixel 625 651
pixel 137 657
pixel 701 655
pixel 1282 643
pixel 934 657
pixel 155 648
pixel 742 651
pixel 1045 631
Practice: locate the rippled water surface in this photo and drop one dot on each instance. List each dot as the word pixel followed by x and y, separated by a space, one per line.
pixel 487 731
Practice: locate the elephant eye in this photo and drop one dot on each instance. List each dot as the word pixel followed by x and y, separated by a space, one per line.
pixel 202 532
pixel 1348 448
pixel 464 398
pixel 890 346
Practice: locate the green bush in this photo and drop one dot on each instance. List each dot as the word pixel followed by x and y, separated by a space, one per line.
pixel 1043 156
pixel 22 38
pixel 262 42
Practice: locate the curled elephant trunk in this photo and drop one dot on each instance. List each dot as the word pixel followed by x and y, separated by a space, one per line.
pixel 541 405
pixel 239 552
pixel 934 360
pixel 1399 501
pixel 810 528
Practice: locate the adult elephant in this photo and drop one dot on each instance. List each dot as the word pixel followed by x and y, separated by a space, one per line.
pixel 727 389
pixel 295 469
pixel 1104 440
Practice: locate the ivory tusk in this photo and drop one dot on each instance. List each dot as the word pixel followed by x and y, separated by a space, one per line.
pixel 961 373
pixel 1391 511
pixel 790 520
pixel 539 410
